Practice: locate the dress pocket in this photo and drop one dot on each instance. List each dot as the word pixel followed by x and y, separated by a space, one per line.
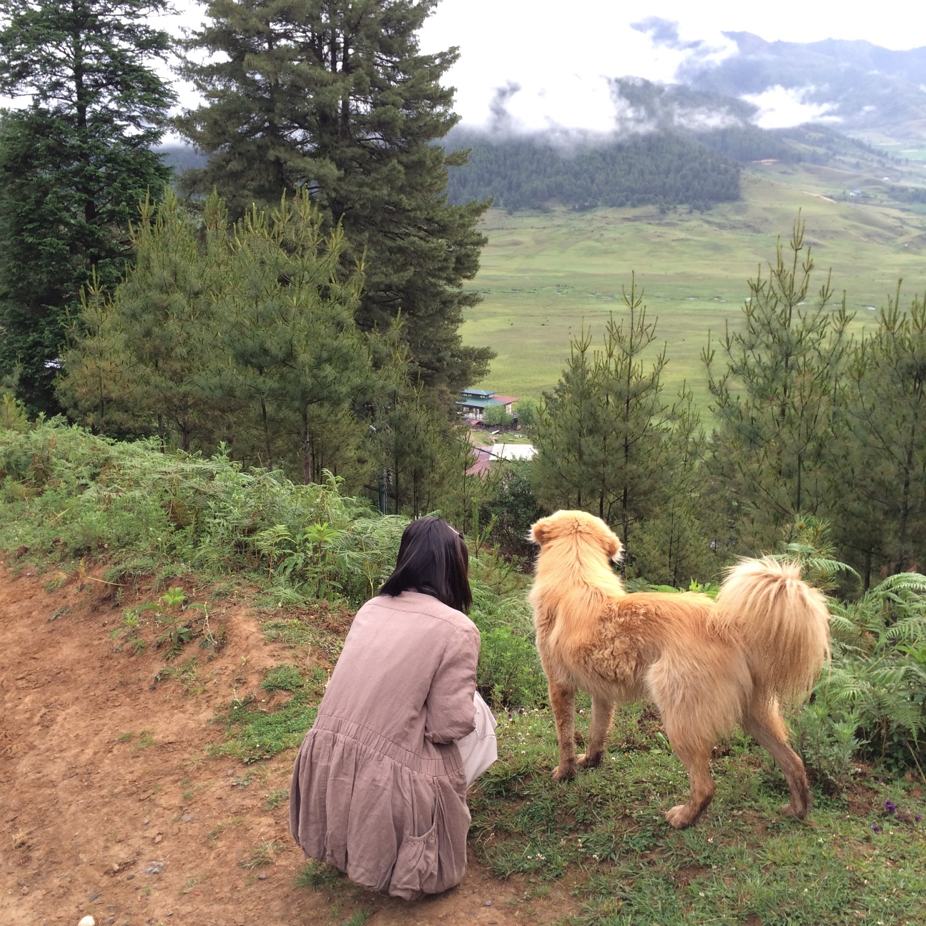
pixel 415 869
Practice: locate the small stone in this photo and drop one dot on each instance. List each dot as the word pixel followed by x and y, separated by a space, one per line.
pixel 87 921
pixel 488 903
pixel 158 838
pixel 187 817
pixel 262 877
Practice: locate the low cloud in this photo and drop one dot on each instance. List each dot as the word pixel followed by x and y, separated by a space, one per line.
pixel 696 53
pixel 779 107
pixel 583 110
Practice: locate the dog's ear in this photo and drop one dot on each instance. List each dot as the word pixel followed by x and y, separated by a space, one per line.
pixel 540 531
pixel 617 550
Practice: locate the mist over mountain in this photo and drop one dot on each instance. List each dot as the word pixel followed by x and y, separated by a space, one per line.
pixel 832 103
pixel 854 86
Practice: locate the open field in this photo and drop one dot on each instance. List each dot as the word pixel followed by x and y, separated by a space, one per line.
pixel 546 275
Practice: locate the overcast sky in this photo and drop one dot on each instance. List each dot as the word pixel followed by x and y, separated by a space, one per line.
pixel 559 54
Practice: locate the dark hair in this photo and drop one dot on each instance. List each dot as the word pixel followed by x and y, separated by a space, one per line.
pixel 433 559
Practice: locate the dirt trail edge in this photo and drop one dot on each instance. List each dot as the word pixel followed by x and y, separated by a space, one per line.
pixel 111 806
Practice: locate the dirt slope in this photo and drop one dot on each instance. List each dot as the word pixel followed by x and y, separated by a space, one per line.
pixel 110 805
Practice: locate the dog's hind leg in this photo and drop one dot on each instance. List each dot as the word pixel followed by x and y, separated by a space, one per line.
pixel 602 715
pixel 695 752
pixel 766 725
pixel 563 702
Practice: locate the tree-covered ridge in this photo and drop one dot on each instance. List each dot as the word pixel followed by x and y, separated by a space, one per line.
pixel 665 169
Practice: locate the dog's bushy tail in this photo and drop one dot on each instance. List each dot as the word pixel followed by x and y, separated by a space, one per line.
pixel 781 622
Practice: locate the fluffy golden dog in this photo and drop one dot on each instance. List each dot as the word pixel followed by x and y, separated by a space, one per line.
pixel 706 664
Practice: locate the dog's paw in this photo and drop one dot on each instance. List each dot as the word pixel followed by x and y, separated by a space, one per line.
pixel 587 760
pixel 798 812
pixel 564 772
pixel 679 817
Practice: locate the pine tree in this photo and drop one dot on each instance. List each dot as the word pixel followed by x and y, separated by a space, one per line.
pixel 881 519
pixel 606 442
pixel 242 334
pixel 74 164
pixel 335 95
pixel 425 454
pixel 778 398
pixel 297 358
pixel 564 437
pixel 156 335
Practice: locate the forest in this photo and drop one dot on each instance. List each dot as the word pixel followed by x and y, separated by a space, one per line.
pixel 294 302
pixel 663 169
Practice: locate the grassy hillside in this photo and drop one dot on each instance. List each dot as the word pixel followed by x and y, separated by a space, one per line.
pixel 544 276
pixel 198 618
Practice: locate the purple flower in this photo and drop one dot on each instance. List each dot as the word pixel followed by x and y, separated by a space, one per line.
pixel 875 828
pixel 889 807
pixel 918 817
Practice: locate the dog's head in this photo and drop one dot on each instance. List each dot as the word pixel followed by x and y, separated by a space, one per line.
pixel 579 525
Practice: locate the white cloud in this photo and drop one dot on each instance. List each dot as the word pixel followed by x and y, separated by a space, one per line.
pixel 780 107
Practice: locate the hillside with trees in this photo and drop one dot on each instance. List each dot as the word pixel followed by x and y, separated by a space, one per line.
pixel 300 310
pixel 663 169
pixel 258 368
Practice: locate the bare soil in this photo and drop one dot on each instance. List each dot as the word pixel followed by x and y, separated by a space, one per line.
pixel 111 805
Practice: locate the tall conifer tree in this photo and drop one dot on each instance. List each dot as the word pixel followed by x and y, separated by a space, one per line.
pixel 778 398
pixel 74 163
pixel 881 518
pixel 335 95
pixel 607 441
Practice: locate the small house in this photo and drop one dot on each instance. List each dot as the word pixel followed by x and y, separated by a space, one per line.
pixel 474 402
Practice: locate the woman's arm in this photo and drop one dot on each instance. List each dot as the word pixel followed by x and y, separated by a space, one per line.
pixel 450 712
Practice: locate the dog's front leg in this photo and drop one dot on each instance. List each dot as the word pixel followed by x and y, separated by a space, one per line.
pixel 602 715
pixel 563 702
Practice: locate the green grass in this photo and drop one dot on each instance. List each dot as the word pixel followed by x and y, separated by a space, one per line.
pixel 604 833
pixel 545 276
pixel 256 731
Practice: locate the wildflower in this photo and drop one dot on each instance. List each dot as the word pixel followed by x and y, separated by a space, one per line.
pixel 918 817
pixel 875 828
pixel 889 807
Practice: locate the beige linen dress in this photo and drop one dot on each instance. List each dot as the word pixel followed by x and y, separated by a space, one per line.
pixel 378 788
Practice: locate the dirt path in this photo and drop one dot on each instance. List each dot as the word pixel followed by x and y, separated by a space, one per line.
pixel 110 805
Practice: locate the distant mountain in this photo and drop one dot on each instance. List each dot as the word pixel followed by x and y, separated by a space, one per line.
pixel 180 156
pixel 863 87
